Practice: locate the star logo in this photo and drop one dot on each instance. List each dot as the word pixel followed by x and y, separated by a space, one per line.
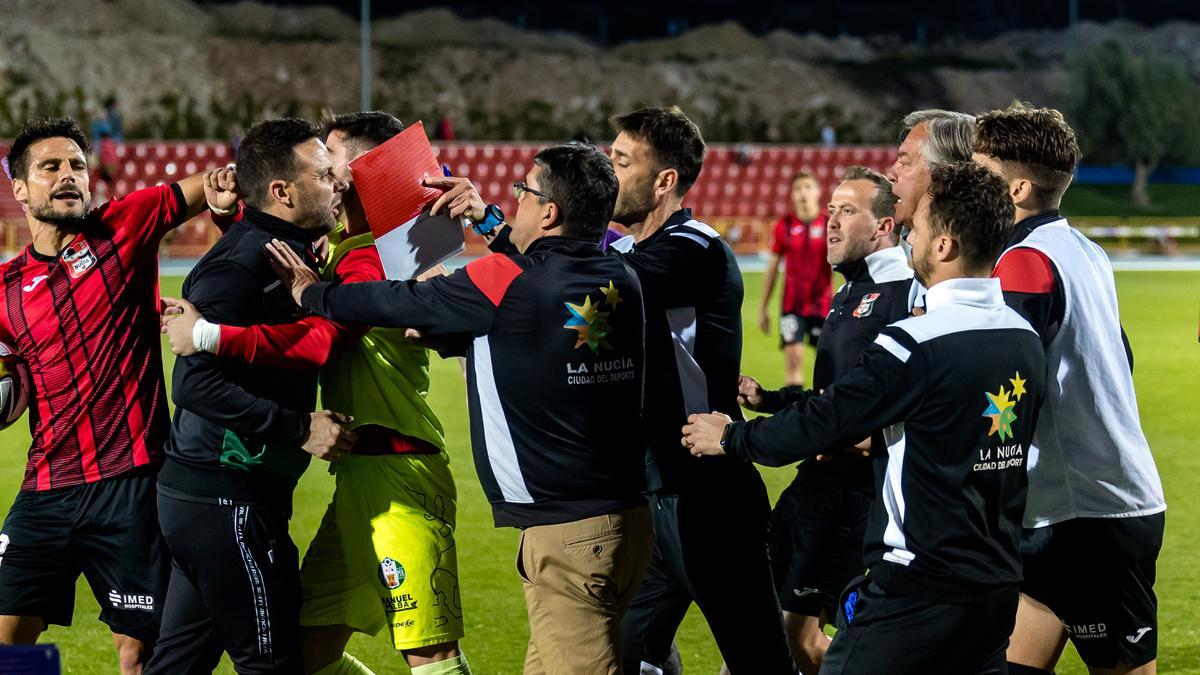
pixel 611 295
pixel 590 322
pixel 1018 386
pixel 1001 408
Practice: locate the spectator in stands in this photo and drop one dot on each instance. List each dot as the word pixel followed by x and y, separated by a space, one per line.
pixel 799 241
pixel 109 163
pixel 444 130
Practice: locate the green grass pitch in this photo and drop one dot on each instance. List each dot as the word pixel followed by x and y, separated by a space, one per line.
pixel 1159 313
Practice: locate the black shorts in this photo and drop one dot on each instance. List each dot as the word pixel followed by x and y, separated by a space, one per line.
pixel 108 531
pixel 794 329
pixel 880 632
pixel 816 545
pixel 1097 576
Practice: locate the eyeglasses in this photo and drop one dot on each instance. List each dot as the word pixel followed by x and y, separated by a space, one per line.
pixel 520 188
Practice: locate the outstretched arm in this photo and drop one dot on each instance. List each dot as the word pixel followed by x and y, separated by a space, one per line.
pixel 464 302
pixel 305 344
pixel 881 390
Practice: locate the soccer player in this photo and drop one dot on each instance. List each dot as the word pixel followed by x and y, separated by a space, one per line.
pixel 80 306
pixel 553 335
pixel 711 518
pixel 957 392
pixel 1093 485
pixel 385 552
pixel 818 524
pixel 798 239
pixel 243 434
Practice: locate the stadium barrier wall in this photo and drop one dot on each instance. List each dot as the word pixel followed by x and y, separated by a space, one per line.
pixel 742 190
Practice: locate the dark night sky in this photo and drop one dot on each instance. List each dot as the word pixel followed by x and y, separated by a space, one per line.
pixel 622 21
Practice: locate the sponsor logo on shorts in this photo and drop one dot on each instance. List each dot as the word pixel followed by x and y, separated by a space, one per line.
pixel 408 623
pixel 1087 631
pixel 120 600
pixel 866 306
pixel 1137 637
pixel 391 573
pixel 402 603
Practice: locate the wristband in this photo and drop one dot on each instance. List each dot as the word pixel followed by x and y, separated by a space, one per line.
pixel 206 336
pixel 222 212
pixel 725 434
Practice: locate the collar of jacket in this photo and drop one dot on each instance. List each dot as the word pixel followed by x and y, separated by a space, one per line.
pixel 563 244
pixel 970 291
pixel 678 218
pixel 889 264
pixel 278 227
pixel 1025 227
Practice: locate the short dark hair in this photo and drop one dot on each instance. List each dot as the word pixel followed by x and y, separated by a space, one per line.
pixel 39 129
pixel 802 175
pixel 364 130
pixel 581 181
pixel 884 203
pixel 1033 143
pixel 971 203
pixel 267 153
pixel 675 141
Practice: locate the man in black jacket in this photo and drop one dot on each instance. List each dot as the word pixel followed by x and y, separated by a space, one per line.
pixel 818 524
pixel 957 392
pixel 243 435
pixel 711 518
pixel 554 340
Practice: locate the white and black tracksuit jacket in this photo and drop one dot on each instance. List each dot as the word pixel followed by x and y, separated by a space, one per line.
pixel 957 392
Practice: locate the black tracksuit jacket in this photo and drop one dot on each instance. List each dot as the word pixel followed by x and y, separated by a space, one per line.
pixel 554 342
pixel 876 293
pixel 238 427
pixel 957 393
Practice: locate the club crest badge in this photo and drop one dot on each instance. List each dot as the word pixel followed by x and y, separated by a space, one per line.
pixel 78 258
pixel 391 573
pixel 866 306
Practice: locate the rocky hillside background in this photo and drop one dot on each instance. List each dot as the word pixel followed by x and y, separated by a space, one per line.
pixel 186 70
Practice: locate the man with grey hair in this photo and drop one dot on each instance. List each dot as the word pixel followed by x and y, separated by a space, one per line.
pixel 930 138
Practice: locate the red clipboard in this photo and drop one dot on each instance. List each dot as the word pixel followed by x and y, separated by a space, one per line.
pixel 389 182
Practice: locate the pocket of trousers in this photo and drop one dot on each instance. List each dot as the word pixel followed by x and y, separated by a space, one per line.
pixel 521 571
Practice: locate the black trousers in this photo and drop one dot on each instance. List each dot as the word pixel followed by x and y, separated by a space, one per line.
pixel 234 588
pixel 880 632
pixel 711 550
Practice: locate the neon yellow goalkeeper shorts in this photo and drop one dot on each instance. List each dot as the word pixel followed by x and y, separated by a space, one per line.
pixel 384 554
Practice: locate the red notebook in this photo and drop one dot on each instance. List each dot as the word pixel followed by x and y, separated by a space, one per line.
pixel 388 180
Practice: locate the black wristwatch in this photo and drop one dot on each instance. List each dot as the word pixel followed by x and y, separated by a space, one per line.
pixel 725 434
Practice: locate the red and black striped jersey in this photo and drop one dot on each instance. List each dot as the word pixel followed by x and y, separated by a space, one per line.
pixel 86 322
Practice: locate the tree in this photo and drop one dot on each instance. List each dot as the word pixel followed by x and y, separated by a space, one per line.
pixel 1133 109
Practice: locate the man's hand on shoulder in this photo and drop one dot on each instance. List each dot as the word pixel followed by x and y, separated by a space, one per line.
pixel 291 269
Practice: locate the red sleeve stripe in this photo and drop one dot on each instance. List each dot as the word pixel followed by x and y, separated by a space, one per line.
pixel 1025 270
pixel 493 275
